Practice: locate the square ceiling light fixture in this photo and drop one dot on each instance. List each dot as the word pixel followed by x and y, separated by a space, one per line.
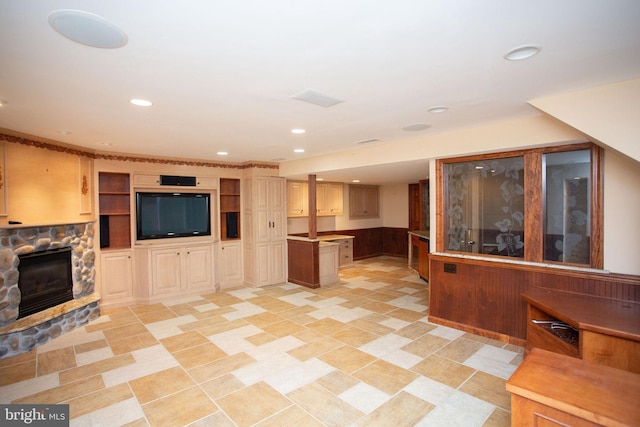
pixel 316 97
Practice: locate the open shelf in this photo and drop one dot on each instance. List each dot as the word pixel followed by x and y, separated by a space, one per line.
pixel 229 209
pixel 114 199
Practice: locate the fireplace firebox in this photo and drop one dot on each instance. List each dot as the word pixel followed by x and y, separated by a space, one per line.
pixel 45 280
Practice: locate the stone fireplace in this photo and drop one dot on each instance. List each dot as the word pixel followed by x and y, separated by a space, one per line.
pixel 22 244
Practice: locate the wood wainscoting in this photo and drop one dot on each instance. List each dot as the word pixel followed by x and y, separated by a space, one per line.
pixel 484 297
pixel 371 242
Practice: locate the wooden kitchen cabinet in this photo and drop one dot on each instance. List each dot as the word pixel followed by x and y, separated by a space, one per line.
pixel 364 201
pixel 297 199
pixel 329 198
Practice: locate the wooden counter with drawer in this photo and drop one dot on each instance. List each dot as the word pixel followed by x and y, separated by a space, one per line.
pixel 550 389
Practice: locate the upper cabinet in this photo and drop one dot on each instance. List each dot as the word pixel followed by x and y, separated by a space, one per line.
pixel 329 199
pixel 297 199
pixel 364 201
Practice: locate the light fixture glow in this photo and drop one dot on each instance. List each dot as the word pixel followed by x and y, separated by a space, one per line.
pixel 522 52
pixel 3 102
pixel 141 102
pixel 222 153
pixel 356 180
pixel 319 179
pixel 298 150
pixel 298 131
pixel 438 109
pixel 479 167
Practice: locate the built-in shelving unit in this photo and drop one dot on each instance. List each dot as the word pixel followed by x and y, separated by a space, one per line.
pixel 115 210
pixel 229 209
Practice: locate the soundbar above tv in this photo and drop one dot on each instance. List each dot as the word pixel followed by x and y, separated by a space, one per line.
pixel 166 215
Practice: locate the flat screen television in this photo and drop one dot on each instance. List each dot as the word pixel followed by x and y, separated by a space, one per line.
pixel 166 215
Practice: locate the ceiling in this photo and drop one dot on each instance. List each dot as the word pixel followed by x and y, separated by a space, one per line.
pixel 222 74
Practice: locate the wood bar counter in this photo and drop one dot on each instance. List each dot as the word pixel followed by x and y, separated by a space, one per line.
pixel 599 330
pixel 550 389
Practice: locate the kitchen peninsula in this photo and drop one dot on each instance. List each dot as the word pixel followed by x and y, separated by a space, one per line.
pixel 315 262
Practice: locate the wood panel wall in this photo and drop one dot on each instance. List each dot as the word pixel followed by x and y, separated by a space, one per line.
pixel 483 297
pixel 371 242
pixel 304 264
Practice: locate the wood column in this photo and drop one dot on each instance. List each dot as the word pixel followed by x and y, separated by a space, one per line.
pixel 313 212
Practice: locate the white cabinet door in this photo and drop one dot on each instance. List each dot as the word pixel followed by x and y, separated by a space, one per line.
pixel 199 267
pixel 278 262
pixel 166 273
pixel 116 274
pixel 230 265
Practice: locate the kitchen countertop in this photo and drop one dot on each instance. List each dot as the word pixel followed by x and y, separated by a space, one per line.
pixel 325 238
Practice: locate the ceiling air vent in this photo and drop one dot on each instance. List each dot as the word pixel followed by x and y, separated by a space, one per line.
pixel 367 141
pixel 316 97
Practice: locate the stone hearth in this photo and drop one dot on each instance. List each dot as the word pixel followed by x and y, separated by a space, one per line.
pixel 19 336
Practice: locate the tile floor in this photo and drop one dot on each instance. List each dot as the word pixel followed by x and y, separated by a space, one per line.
pixel 356 353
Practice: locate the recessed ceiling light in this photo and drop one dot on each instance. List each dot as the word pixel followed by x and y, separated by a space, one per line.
pixel 222 153
pixel 141 102
pixel 416 127
pixel 298 131
pixel 438 109
pixel 3 102
pixel 319 179
pixel 356 180
pixel 299 150
pixel 106 144
pixel 87 29
pixel 64 132
pixel 522 52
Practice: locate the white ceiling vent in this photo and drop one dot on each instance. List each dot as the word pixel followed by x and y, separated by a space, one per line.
pixel 367 141
pixel 316 97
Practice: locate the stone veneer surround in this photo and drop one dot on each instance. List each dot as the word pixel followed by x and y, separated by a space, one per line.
pixel 19 336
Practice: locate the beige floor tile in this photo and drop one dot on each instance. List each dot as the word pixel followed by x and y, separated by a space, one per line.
pixel 156 315
pixel 224 299
pixel 179 409
pixel 223 327
pixel 308 335
pixel 117 320
pixel 489 388
pixel 90 346
pixel 314 348
pixel 220 367
pixel 98 400
pixel 304 319
pixel 140 422
pixel 136 342
pixel 325 406
pixel 382 296
pixel 425 345
pixel 202 323
pixel 147 308
pixel 327 326
pixel 277 306
pixel 260 339
pixel 200 315
pixel 415 330
pixel 199 355
pixel 292 416
pixel 183 309
pixel 253 404
pixel 298 311
pixel 337 382
pixel 18 372
pixel 264 319
pixel 402 410
pixel 183 341
pixel 222 386
pixel 160 384
pixel 371 326
pixel 407 315
pixel 65 392
pixel 347 359
pixel 96 368
pixel 498 418
pixel 125 331
pixel 442 370
pixel 355 337
pixel 282 329
pixel 385 376
pixel 21 358
pixel 459 350
pixel 56 360
pixel 378 307
pixel 219 419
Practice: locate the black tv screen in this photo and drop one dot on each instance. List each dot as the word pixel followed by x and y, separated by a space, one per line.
pixel 163 215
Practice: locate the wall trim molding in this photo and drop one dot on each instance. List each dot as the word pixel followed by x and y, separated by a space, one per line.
pixel 52 146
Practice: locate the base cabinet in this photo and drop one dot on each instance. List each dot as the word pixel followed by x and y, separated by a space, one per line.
pixel 116 273
pixel 174 270
pixel 230 264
